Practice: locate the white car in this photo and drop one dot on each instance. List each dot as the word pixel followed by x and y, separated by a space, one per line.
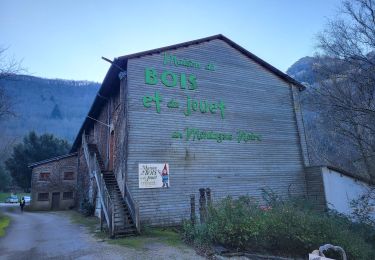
pixel 27 199
pixel 12 199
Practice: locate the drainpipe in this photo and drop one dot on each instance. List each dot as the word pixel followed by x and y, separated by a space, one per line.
pixel 109 129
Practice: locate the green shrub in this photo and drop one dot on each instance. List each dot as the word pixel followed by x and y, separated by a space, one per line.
pixel 281 227
pixel 195 234
pixel 87 208
pixel 362 207
pixel 4 223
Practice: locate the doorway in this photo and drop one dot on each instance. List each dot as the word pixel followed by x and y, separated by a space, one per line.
pixel 111 150
pixel 55 200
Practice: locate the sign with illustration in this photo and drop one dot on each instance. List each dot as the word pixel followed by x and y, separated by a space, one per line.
pixel 153 175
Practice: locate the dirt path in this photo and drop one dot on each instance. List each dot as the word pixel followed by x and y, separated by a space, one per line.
pixel 51 235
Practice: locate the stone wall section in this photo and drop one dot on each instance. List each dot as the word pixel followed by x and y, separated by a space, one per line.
pixel 315 187
pixel 54 184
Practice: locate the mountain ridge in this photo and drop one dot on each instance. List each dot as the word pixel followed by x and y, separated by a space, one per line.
pixel 44 105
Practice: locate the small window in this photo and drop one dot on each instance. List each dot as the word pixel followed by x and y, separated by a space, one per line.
pixel 68 175
pixel 43 196
pixel 68 195
pixel 44 176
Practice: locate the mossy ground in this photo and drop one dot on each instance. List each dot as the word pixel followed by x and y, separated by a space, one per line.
pixel 92 223
pixel 4 223
pixel 168 236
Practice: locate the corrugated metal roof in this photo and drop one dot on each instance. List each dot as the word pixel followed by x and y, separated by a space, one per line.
pixel 51 159
pixel 349 174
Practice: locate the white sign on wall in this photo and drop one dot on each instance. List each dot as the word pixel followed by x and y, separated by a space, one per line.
pixel 153 175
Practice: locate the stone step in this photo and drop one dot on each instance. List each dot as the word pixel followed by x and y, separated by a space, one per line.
pixel 113 189
pixel 123 227
pixel 123 216
pixel 117 192
pixel 126 231
pixel 120 235
pixel 111 181
pixel 122 222
pixel 116 196
pixel 119 207
pixel 121 212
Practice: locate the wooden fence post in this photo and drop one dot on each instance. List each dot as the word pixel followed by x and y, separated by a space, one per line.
pixel 202 205
pixel 192 209
pixel 101 218
pixel 208 195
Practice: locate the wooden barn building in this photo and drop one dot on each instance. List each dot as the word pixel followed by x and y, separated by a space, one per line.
pixel 200 114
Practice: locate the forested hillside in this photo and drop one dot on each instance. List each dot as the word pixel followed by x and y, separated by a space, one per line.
pixel 326 145
pixel 46 106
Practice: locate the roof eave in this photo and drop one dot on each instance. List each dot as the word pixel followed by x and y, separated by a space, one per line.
pixel 32 165
pixel 252 56
pixel 349 174
pixel 106 82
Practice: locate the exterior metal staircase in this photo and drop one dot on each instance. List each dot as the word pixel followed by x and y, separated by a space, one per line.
pixel 121 214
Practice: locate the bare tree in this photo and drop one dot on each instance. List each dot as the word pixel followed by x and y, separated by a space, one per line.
pixel 346 70
pixel 8 68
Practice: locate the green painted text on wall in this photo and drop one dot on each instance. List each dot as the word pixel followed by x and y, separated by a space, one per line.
pixel 192 105
pixel 194 134
pixel 188 81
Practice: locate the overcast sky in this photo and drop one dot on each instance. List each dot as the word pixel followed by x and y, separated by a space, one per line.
pixel 66 39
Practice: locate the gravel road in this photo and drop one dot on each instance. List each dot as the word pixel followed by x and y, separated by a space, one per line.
pixel 51 235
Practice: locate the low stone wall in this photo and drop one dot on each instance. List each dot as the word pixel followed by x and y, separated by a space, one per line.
pixel 315 187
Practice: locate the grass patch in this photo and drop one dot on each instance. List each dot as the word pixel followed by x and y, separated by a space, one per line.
pixel 91 223
pixel 11 209
pixel 133 242
pixel 4 195
pixel 169 236
pixel 4 223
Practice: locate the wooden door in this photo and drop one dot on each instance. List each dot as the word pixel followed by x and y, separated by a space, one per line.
pixel 111 150
pixel 55 200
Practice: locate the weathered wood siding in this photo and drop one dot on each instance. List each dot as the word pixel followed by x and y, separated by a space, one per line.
pixel 256 100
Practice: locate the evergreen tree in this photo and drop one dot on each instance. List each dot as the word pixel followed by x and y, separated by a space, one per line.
pixel 56 113
pixel 34 148
pixel 5 179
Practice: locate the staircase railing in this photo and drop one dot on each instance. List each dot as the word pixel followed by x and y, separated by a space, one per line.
pixel 133 208
pixel 105 200
pixel 86 152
